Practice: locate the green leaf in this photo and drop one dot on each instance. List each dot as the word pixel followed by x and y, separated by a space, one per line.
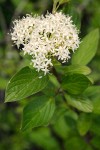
pixel 24 83
pixel 87 48
pixel 75 83
pixel 84 123
pixel 38 112
pixel 59 112
pixel 84 105
pixel 93 93
pixel 65 124
pixel 73 69
pixel 61 128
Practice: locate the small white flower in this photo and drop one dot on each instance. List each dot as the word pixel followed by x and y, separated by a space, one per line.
pixel 45 37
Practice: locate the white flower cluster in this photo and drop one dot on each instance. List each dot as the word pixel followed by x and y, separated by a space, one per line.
pixel 45 37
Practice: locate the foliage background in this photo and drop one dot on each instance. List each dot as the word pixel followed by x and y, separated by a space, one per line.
pixel 64 134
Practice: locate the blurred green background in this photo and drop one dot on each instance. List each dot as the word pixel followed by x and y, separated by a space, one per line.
pixel 63 135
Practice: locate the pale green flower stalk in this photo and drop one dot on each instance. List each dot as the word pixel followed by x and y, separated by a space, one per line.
pixel 43 38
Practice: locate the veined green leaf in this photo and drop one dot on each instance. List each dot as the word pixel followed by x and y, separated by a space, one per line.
pixel 81 104
pixel 24 83
pixel 38 112
pixel 75 83
pixel 73 69
pixel 87 48
pixel 93 92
